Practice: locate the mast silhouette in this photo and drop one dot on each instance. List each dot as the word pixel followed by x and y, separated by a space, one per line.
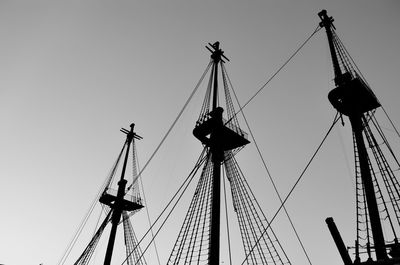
pixel 220 140
pixel 199 241
pixel 217 154
pixel 353 98
pixel 121 205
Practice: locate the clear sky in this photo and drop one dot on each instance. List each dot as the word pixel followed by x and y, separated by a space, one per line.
pixel 73 72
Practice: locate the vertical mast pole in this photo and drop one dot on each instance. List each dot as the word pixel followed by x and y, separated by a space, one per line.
pixel 327 22
pixel 118 208
pixel 216 56
pixel 217 157
pixel 357 118
pixel 218 138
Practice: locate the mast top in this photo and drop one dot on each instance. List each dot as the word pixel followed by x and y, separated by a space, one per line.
pixel 352 96
pixel 131 134
pixel 216 52
pixel 327 23
pixel 325 20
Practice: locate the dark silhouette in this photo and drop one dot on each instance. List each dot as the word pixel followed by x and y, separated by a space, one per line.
pixel 121 205
pixel 222 138
pixel 353 97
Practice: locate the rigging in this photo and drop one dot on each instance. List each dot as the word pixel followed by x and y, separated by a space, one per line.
pixel 335 120
pixel 213 95
pixel 200 232
pixel 377 188
pixel 269 175
pixel 120 206
pixel 177 196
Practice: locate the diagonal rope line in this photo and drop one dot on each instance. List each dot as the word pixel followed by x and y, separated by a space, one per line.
pixel 294 186
pixel 148 217
pixel 258 150
pixel 174 123
pixel 391 122
pixel 179 193
pixel 280 68
pixel 85 219
pixel 270 176
pixel 276 72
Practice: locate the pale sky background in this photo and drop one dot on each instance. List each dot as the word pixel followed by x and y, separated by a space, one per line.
pixel 73 72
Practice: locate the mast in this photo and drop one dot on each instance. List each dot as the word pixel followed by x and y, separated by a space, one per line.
pixel 121 206
pixel 118 203
pixel 199 240
pixel 352 97
pixel 217 154
pixel 220 140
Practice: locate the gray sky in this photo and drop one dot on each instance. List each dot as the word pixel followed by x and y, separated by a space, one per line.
pixel 72 73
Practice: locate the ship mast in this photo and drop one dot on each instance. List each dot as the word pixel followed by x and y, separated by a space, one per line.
pixel 118 203
pixel 217 128
pixel 122 203
pixel 217 154
pixel 352 97
pixel 220 140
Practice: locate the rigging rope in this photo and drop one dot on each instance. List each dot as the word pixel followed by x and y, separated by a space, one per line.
pixel 173 124
pixel 148 215
pixel 252 220
pixel 382 135
pixel 294 186
pixel 193 232
pixel 110 176
pixel 343 47
pixel 391 122
pixel 269 174
pixel 84 259
pixel 279 69
pixel 227 221
pixel 186 182
pixel 355 68
pixel 90 210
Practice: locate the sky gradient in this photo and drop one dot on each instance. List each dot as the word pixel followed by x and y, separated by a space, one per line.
pixel 72 73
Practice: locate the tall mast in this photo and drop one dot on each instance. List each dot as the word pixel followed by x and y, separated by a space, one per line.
pixel 121 206
pixel 353 98
pixel 118 203
pixel 218 142
pixel 219 132
pixel 217 154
